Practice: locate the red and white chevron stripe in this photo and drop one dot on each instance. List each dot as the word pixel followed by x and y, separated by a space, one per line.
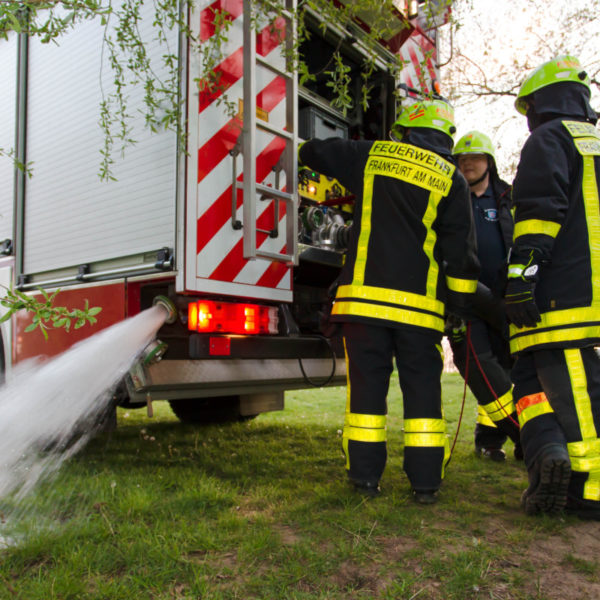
pixel 214 250
pixel 418 54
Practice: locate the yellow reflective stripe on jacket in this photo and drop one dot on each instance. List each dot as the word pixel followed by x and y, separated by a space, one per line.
pixel 410 173
pixel 550 337
pixel 482 417
pixel 388 313
pixel 583 407
pixel 581 129
pixel 536 226
pixel 586 137
pixel 588 146
pixel 362 247
pixel 414 155
pixel 466 286
pixel 501 407
pixel 589 187
pixel 534 405
pixel 569 324
pixel 403 299
pixel 429 244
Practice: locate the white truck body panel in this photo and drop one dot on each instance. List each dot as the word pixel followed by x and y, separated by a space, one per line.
pixel 72 217
pixel 8 69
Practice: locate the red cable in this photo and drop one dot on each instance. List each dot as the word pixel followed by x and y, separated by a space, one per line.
pixel 470 347
pixel 462 406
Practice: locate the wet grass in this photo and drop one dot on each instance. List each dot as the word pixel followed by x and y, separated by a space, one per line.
pixel 261 509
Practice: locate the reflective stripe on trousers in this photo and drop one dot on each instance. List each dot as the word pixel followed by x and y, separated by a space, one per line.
pixel 560 402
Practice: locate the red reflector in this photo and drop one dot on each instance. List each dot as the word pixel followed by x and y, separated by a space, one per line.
pixel 208 316
pixel 220 346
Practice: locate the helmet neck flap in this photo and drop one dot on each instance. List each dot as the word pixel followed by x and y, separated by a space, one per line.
pixel 563 99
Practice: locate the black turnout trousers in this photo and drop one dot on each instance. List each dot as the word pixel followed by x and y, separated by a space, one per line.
pixel 370 351
pixel 493 356
pixel 558 401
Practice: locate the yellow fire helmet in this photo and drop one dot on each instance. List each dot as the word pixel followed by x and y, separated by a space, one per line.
pixel 432 114
pixel 474 142
pixel 558 70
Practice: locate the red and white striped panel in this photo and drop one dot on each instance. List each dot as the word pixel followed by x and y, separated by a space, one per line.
pixel 214 250
pixel 418 54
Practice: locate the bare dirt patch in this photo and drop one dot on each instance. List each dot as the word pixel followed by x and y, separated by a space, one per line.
pixel 558 562
pixel 564 565
pixel 287 535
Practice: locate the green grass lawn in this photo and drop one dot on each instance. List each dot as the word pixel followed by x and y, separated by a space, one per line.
pixel 261 509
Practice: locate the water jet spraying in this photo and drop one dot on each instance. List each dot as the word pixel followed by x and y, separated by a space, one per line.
pixel 48 409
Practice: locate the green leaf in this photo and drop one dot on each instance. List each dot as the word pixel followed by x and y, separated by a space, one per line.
pixel 94 310
pixel 53 295
pixel 31 327
pixel 6 316
pixel 16 26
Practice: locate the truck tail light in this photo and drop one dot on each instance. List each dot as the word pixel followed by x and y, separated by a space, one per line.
pixel 209 316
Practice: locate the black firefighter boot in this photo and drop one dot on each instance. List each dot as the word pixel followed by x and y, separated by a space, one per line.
pixel 549 478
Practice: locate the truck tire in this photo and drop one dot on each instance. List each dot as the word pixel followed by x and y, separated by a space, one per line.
pixel 219 409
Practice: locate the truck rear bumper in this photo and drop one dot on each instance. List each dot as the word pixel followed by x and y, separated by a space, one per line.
pixel 178 379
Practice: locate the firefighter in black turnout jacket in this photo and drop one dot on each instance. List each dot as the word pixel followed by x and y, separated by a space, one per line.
pixel 489 361
pixel 553 292
pixel 411 250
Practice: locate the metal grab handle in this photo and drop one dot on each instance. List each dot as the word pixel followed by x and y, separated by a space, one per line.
pixel 273 233
pixel 234 152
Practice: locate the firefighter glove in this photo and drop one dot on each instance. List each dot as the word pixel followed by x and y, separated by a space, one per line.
pixel 455 329
pixel 521 309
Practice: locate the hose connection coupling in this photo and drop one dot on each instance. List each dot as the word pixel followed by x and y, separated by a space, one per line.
pixel 168 305
pixel 153 352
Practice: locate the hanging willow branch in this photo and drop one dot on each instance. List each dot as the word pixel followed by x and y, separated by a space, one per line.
pixel 126 53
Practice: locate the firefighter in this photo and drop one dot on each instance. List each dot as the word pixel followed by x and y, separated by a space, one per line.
pixel 411 251
pixel 553 291
pixel 489 369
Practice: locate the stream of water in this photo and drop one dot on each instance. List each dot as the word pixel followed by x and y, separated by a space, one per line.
pixel 46 408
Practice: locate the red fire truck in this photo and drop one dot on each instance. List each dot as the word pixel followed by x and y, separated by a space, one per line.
pixel 242 244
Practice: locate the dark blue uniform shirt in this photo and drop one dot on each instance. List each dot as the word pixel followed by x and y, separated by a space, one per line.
pixel 490 245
